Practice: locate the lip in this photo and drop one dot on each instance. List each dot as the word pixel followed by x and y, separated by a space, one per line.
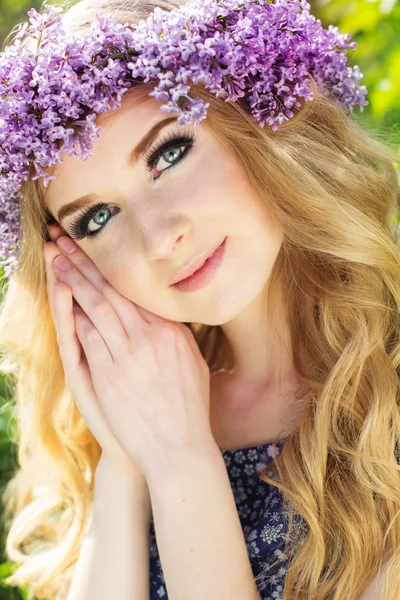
pixel 205 273
pixel 191 267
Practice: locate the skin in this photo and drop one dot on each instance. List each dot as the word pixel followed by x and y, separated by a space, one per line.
pixel 159 220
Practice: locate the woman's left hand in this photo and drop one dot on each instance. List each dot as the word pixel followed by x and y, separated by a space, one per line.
pixel 148 373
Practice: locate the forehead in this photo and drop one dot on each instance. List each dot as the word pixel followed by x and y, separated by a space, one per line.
pixel 120 131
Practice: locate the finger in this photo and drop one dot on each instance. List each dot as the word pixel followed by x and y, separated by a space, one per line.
pixel 76 309
pixel 50 251
pixel 70 349
pixel 60 298
pixel 84 264
pixel 55 231
pixel 152 318
pixel 96 351
pixel 123 306
pixel 192 343
pixel 98 308
pixel 75 362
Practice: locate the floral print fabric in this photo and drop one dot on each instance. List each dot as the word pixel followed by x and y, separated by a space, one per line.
pixel 261 514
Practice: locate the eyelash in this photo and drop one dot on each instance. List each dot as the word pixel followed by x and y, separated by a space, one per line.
pixel 78 228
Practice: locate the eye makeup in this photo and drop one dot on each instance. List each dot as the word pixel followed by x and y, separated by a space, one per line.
pixel 166 143
pixel 78 229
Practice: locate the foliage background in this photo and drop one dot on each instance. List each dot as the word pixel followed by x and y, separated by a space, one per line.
pixel 375 26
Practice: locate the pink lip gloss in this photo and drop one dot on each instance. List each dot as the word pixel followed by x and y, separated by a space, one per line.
pixel 205 274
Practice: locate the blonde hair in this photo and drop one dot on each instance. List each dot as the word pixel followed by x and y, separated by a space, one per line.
pixel 333 187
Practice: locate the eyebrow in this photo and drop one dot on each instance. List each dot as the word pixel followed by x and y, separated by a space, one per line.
pixel 133 158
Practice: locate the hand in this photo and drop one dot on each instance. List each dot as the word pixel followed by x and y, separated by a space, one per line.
pixel 63 308
pixel 146 374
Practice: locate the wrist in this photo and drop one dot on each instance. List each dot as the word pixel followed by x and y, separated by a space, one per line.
pixel 118 482
pixel 111 468
pixel 187 466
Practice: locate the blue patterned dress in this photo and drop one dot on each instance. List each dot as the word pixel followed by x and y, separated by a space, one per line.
pixel 261 514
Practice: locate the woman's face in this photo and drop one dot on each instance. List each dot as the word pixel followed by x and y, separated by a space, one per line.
pixel 161 212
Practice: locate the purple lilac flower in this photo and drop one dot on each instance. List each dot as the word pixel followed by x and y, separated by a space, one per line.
pixel 10 215
pixel 53 84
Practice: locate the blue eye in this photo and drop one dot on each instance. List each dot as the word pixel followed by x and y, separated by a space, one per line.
pixel 79 226
pixel 172 149
pixel 169 147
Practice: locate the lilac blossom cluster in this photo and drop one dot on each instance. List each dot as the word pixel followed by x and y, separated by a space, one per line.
pixel 53 83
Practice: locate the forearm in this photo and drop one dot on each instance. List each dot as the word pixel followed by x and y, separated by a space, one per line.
pixel 114 559
pixel 199 535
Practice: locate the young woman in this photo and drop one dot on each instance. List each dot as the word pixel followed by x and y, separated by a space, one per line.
pixel 228 434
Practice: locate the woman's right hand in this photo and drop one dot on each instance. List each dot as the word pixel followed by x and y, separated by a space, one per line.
pixel 77 373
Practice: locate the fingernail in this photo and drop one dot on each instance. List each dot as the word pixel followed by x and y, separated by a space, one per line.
pixel 66 244
pixel 62 263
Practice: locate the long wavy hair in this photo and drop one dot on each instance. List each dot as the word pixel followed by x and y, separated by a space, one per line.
pixel 332 185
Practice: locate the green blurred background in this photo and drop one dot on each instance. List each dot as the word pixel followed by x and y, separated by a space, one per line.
pixel 375 26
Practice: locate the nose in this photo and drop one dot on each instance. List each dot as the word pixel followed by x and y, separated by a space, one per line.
pixel 164 240
pixel 162 246
pixel 161 231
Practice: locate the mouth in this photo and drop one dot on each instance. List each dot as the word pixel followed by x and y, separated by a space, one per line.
pixel 204 273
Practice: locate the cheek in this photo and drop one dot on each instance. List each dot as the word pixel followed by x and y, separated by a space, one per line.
pixel 123 275
pixel 207 177
pixel 228 182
